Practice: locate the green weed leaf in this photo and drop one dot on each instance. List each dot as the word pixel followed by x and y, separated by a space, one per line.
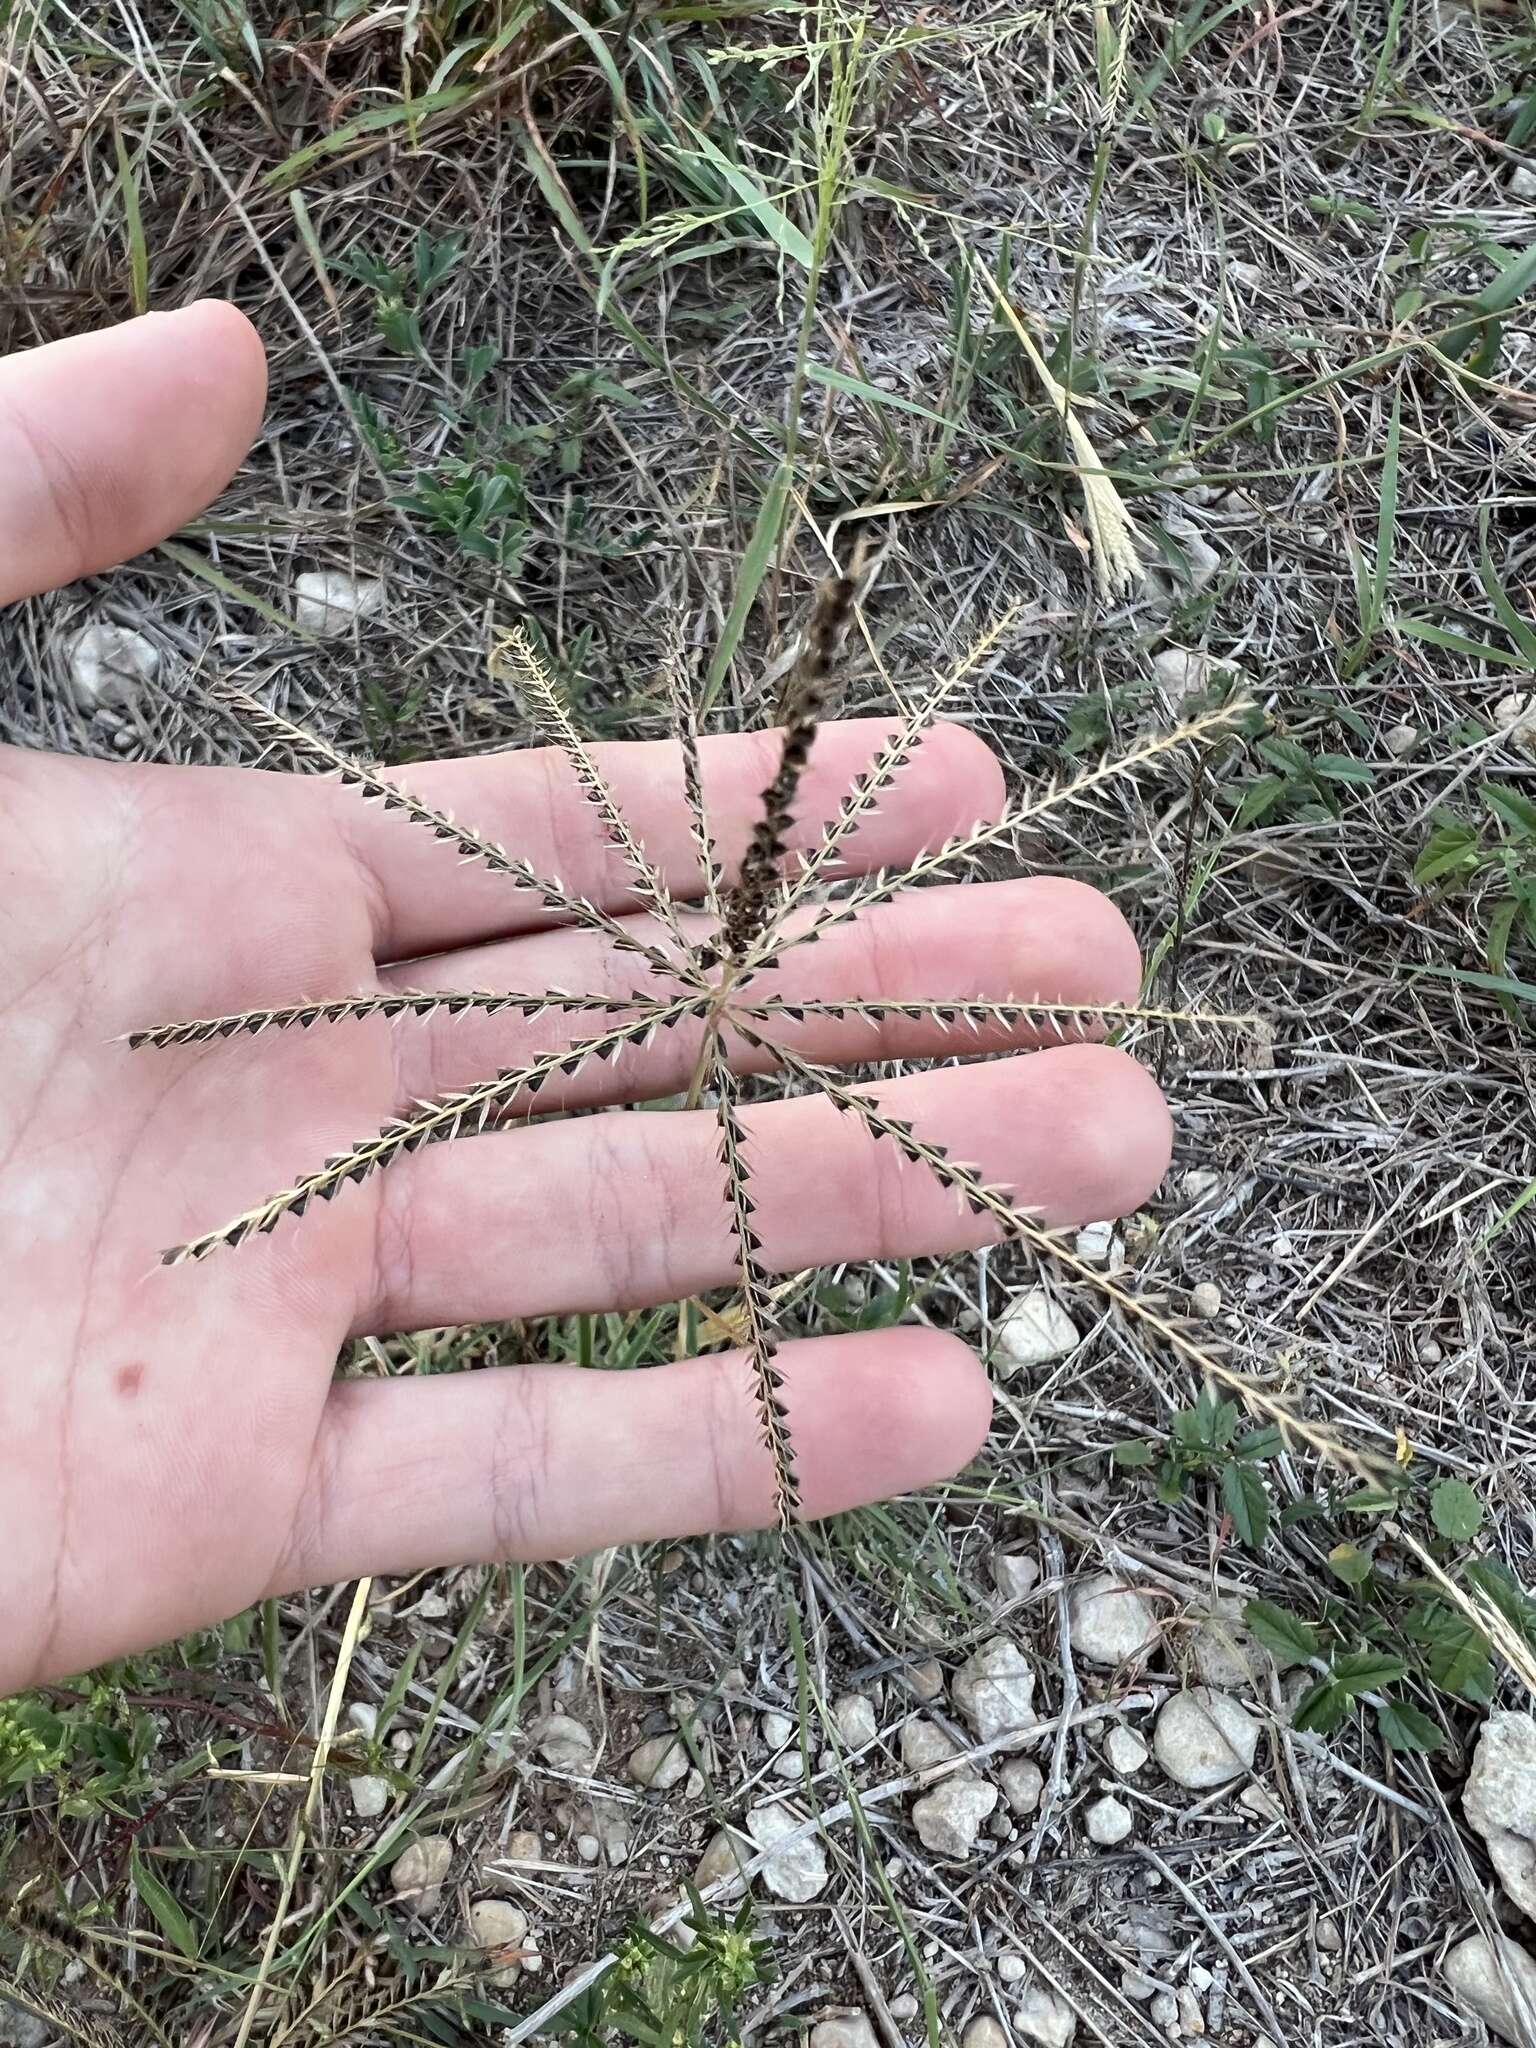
pixel 1350 1564
pixel 1133 1455
pixel 1511 807
pixel 1367 1671
pixel 1456 1510
pixel 1283 1634
pixel 1406 1727
pixel 1452 850
pixel 1247 1501
pixel 165 1907
pixel 1322 1709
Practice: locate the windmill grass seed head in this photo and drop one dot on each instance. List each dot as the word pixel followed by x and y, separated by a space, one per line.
pixel 715 984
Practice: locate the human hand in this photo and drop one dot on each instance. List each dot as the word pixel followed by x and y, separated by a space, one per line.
pixel 175 1444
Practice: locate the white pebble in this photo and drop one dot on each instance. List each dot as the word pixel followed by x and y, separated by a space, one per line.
pixel 948 1819
pixel 795 1870
pixel 1108 1821
pixel 327 601
pixel 850 2030
pixel 927 1680
pixel 1401 741
pixel 1043 2017
pixel 1205 1299
pixel 1023 1783
pixel 1515 716
pixel 853 1716
pixel 417 1874
pixel 109 664
pixel 777 1730
pixel 659 1763
pixel 1124 1750
pixel 370 1796
pixel 1112 1623
pixel 1015 1574
pixel 497 1924
pixel 1035 1330
pixel 1204 1738
pixel 984 2032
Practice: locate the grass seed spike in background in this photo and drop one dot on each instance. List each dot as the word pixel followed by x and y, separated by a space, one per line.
pixel 721 985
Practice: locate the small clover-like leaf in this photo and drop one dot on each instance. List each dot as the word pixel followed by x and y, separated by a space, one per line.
pixel 1456 1510
pixel 1349 1563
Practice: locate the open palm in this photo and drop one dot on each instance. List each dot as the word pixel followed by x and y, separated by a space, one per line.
pixel 176 1444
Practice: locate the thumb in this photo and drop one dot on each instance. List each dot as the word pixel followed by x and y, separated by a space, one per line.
pixel 110 441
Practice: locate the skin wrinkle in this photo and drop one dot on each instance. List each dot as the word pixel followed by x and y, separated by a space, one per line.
pixel 393 1260
pixel 65 1469
pixel 727 1391
pixel 56 478
pixel 303 1538
pixel 371 883
pixel 559 812
pixel 608 1197
pixel 517 1511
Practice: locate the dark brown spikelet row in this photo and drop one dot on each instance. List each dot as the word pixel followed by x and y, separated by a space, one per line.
pixel 977 1194
pixel 864 793
pixel 756 1295
pixel 404 1003
pixel 753 896
pixel 686 730
pixel 373 787
pixel 450 1116
pixel 517 660
pixel 47 1930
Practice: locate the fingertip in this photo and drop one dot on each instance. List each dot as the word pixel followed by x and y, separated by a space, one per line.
pixel 883 1413
pixel 950 1400
pixel 1122 1133
pixel 1073 932
pixel 220 362
pixel 113 439
pixel 231 338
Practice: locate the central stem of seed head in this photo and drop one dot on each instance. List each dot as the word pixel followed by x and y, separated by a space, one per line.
pixel 752 899
pixel 750 904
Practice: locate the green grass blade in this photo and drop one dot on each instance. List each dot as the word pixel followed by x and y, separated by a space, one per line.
pixel 754 567
pixel 1460 643
pixel 200 566
pixel 375 121
pixel 1495 984
pixel 133 219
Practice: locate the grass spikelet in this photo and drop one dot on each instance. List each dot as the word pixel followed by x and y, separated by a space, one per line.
pixel 750 902
pixel 1117 567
